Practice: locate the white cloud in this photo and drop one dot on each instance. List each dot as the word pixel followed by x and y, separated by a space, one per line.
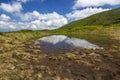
pixel 29 15
pixel 79 14
pixel 48 20
pixel 4 17
pixel 13 7
pixel 35 15
pixel 6 26
pixel 35 21
pixel 89 3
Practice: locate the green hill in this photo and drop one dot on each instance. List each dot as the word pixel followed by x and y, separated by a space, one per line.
pixel 105 18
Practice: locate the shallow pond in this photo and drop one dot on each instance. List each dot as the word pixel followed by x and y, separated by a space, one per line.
pixel 62 44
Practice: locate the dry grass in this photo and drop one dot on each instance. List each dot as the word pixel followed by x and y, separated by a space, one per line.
pixel 20 63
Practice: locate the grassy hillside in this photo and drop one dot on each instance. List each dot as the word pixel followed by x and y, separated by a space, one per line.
pixel 20 59
pixel 104 18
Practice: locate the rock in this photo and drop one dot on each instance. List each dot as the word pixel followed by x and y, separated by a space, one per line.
pixel 39 75
pixel 12 67
pixel 93 54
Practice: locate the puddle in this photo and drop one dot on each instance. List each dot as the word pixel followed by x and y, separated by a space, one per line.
pixel 62 44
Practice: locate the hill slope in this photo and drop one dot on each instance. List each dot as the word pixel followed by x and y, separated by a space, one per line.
pixel 104 18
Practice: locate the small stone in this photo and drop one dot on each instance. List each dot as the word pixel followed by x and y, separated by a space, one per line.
pixel 94 54
pixel 84 55
pixel 57 78
pixel 39 75
pixel 12 67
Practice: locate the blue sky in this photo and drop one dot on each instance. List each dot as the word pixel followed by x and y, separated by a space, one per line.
pixel 48 14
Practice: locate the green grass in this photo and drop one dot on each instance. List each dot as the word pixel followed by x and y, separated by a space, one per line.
pixel 104 18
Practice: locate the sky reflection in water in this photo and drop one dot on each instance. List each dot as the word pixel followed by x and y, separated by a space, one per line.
pixel 62 44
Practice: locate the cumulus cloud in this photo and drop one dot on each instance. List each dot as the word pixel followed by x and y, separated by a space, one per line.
pixel 11 7
pixel 6 26
pixel 89 3
pixel 48 20
pixel 43 17
pixel 13 26
pixel 79 14
pixel 35 21
pixel 4 17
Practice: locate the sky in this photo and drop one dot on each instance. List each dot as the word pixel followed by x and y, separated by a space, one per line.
pixel 48 14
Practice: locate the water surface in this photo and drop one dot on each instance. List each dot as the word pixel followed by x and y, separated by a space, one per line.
pixel 62 44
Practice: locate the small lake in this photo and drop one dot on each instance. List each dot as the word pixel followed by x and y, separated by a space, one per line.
pixel 62 44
